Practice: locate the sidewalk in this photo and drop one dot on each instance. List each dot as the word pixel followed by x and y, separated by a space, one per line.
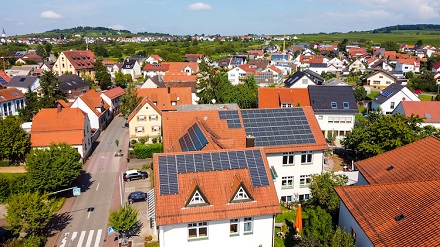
pixel 53 236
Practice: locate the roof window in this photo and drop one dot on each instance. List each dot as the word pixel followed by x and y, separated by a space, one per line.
pixel 334 105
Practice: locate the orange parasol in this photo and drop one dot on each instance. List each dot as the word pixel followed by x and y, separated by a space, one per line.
pixel 298 219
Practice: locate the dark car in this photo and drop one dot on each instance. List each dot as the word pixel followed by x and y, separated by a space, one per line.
pixel 137 196
pixel 134 174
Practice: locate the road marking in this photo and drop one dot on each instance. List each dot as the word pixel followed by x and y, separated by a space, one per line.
pixel 88 215
pixel 97 187
pixel 120 190
pixel 98 237
pixel 81 239
pixel 89 238
pixel 64 241
pixel 73 236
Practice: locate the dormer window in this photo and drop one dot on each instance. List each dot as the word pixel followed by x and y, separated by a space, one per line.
pixel 346 105
pixel 197 199
pixel 241 195
pixel 334 105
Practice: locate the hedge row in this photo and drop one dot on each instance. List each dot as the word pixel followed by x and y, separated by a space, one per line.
pixel 146 151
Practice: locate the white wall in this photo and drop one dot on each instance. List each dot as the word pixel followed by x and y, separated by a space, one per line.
pixel 295 170
pixel 323 121
pixel 348 223
pixel 234 75
pixel 300 84
pixel 396 98
pixel 218 234
pixel 94 119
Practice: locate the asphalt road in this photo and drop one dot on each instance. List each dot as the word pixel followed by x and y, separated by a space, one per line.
pixel 100 185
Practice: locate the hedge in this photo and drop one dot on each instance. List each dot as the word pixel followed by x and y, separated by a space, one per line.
pixel 146 151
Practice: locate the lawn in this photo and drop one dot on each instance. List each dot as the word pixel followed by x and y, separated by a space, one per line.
pixel 286 215
pixel 11 176
pixel 425 97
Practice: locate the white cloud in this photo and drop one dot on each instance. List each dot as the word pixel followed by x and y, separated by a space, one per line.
pixel 118 27
pixel 199 7
pixel 49 14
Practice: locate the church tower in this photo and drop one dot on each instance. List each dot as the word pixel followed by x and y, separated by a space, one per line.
pixel 3 33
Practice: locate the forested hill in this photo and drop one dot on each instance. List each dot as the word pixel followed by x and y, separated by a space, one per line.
pixel 433 27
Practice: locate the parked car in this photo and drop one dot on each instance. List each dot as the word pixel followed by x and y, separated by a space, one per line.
pixel 418 91
pixel 134 174
pixel 137 196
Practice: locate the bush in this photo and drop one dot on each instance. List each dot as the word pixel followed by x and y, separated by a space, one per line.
pixel 147 151
pixel 143 140
pixel 133 141
pixel 33 241
pixel 5 163
pixel 148 238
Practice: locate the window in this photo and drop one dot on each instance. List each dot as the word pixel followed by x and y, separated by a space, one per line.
pixel 141 118
pixel 348 119
pixel 286 105
pixel 248 225
pixel 304 81
pixel 173 102
pixel 286 198
pixel 392 105
pixel 376 82
pixel 304 197
pixel 388 82
pixel 241 195
pixel 304 181
pixel 233 227
pixel 198 230
pixel 153 117
pixel 288 158
pixel 331 119
pixel 320 117
pixel 287 182
pixel 197 198
pixel 155 128
pixel 346 105
pixel 306 157
pixel 139 129
pixel 336 120
pixel 334 105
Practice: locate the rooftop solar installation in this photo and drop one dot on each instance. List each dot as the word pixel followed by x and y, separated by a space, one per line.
pixel 171 165
pixel 3 81
pixel 193 140
pixel 232 118
pixel 277 127
pixel 387 93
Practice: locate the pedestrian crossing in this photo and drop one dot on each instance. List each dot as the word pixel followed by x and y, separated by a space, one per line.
pixel 82 239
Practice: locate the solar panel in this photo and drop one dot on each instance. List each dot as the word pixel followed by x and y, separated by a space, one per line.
pixel 231 117
pixel 171 165
pixel 193 140
pixel 387 93
pixel 275 127
pixel 3 81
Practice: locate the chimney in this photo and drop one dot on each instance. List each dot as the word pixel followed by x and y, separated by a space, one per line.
pixel 169 90
pixel 250 141
pixel 59 108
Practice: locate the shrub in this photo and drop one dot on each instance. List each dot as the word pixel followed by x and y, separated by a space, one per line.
pixel 33 241
pixel 133 141
pixel 147 151
pixel 4 163
pixel 148 238
pixel 143 140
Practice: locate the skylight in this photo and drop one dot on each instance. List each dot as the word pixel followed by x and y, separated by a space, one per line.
pixel 334 105
pixel 346 105
pixel 399 218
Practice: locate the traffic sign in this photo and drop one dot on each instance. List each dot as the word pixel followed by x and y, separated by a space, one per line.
pixel 76 191
pixel 110 230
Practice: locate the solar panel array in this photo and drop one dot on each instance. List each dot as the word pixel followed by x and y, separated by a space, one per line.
pixel 232 118
pixel 387 93
pixel 171 165
pixel 193 140
pixel 276 127
pixel 3 81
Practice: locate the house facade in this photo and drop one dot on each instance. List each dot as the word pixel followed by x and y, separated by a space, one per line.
pixel 390 97
pixel 113 98
pixel 95 107
pixel 429 111
pixel 145 121
pixel 77 62
pixel 357 66
pixel 381 79
pixel 24 83
pixel 131 67
pixel 11 100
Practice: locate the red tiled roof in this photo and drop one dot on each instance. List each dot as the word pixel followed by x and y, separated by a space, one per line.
pixel 114 92
pixel 219 188
pixel 12 93
pixel 5 76
pixel 311 59
pixel 93 100
pixel 256 52
pixel 436 65
pixel 421 108
pixel 194 55
pixel 410 60
pixel 414 161
pixel 64 104
pixel 144 101
pixel 273 97
pixel 274 68
pixel 157 57
pixel 375 208
pixel 156 67
pixel 81 59
pixel 164 98
pixel 176 68
pixel 50 126
pixel 248 68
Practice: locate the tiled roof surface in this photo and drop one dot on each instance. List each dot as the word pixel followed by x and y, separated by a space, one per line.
pixel 157 57
pixel 81 59
pixel 156 67
pixel 322 97
pixel 414 161
pixel 114 92
pixel 375 208
pixel 429 110
pixel 311 59
pixel 393 89
pixel 163 97
pixel 49 126
pixel 64 104
pixel 5 76
pixel 8 94
pixel 436 65
pixel 93 100
pixel 218 187
pixel 273 97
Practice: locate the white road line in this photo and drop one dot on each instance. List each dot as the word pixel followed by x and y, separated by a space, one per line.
pixel 89 238
pixel 64 241
pixel 81 239
pixel 88 215
pixel 97 187
pixel 98 238
pixel 73 236
pixel 120 190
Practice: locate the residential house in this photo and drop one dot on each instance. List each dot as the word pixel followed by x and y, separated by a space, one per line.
pixel 230 62
pixel 73 86
pixel 337 63
pixel 406 65
pixel 391 96
pixel 113 98
pixel 283 97
pixel 303 61
pixel 154 82
pixel 436 67
pixel 131 67
pixel 4 78
pixel 77 62
pixel 155 69
pixel 257 54
pixel 429 111
pixel 23 70
pixel 294 144
pixel 357 66
pixel 380 79
pixel 318 68
pixel 238 74
pixel 357 52
pixel 335 109
pixel 204 198
pixel 95 107
pixel 286 66
pixel 30 57
pixel 302 79
pixel 197 58
pixel 62 125
pixel 154 58
pixel 112 67
pixel 47 66
pixel 335 82
pixel 380 64
pixel 280 57
pixel 11 100
pixel 268 76
pixel 25 83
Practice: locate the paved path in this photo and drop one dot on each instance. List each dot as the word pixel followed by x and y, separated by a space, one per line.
pixel 12 169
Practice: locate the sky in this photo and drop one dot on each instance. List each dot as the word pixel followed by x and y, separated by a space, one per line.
pixel 209 17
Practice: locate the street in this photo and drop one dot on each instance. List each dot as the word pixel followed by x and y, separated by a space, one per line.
pixel 101 188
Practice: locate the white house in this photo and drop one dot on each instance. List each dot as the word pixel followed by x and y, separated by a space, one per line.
pixel 406 65
pixel 131 67
pixel 436 67
pixel 303 79
pixel 113 98
pixel 357 66
pixel 154 58
pixel 380 79
pixel 11 100
pixel 207 198
pixel 95 107
pixel 24 83
pixel 391 96
pixel 337 63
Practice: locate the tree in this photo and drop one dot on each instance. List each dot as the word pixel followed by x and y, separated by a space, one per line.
pixel 360 93
pixel 212 85
pixel 50 92
pixel 4 188
pixel 53 168
pixel 124 219
pixel 101 74
pixel 425 82
pixel 14 142
pixel 29 212
pixel 323 194
pixel 130 100
pixel 105 82
pixel 390 46
pixel 418 44
pixel 342 45
pixel 27 113
pixel 122 79
pixel 318 224
pixel 342 239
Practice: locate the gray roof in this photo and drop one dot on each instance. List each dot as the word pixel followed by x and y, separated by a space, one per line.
pixel 158 80
pixel 22 81
pixel 317 78
pixel 294 78
pixel 388 92
pixel 318 65
pixel 129 63
pixel 331 99
pixel 68 82
pixel 335 82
